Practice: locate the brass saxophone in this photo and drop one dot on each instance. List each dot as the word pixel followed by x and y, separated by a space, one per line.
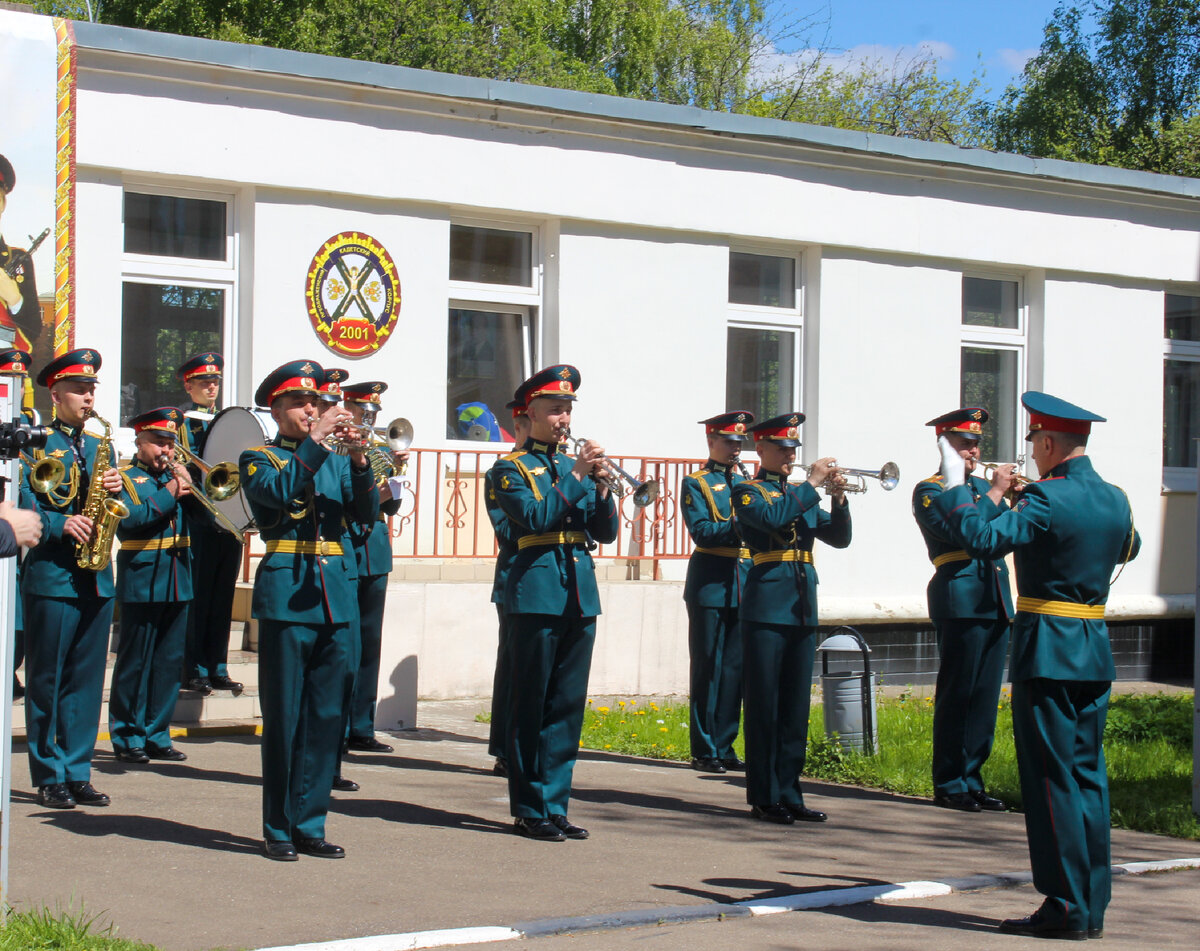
pixel 103 509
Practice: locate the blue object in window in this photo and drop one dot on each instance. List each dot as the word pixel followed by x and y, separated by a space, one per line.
pixel 476 421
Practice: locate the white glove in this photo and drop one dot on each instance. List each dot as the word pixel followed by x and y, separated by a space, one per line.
pixel 954 469
pixel 396 485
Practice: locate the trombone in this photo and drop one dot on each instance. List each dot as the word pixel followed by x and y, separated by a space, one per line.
pixel 643 492
pixel 220 482
pixel 888 476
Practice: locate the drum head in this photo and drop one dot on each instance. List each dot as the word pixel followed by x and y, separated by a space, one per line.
pixel 233 431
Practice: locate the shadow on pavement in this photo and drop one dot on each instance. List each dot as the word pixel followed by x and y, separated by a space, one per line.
pixel 149 828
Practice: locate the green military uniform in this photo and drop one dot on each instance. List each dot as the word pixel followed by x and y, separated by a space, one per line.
pixel 506 550
pixel 970 605
pixel 1066 532
pixel 780 521
pixel 551 601
pixel 715 576
pixel 305 597
pixel 68 609
pixel 154 586
pixel 14 364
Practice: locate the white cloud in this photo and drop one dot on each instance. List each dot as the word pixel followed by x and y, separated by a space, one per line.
pixel 1014 60
pixel 772 62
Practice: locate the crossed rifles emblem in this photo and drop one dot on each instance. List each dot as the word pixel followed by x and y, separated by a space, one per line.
pixel 355 278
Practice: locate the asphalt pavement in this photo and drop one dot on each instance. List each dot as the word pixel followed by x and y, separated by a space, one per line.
pixel 674 861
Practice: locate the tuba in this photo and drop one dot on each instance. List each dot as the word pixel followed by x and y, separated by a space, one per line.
pixel 104 510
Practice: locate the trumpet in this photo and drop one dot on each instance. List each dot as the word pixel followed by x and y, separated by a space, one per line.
pixel 989 469
pixel 221 481
pixel 888 476
pixel 614 476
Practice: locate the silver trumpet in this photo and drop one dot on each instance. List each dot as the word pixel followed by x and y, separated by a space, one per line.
pixel 614 477
pixel 888 476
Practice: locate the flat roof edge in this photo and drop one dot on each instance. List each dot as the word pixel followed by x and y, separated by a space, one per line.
pixel 104 38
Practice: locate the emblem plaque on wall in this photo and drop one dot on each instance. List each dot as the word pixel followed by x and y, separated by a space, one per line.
pixel 353 294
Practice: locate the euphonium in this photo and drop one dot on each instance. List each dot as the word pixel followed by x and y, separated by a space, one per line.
pixel 104 510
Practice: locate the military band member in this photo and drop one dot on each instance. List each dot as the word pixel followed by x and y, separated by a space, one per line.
pixel 1067 533
pixel 970 606
pixel 551 601
pixel 154 586
pixel 373 553
pixel 14 366
pixel 780 521
pixel 715 575
pixel 305 597
pixel 216 555
pixel 330 391
pixel 506 549
pixel 68 609
pixel 19 309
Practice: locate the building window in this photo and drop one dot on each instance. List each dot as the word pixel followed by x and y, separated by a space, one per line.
pixel 1181 387
pixel 495 299
pixel 177 292
pixel 992 361
pixel 763 335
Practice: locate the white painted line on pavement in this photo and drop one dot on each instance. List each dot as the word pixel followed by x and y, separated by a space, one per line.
pixel 833 897
pixel 411 941
pixel 1138 868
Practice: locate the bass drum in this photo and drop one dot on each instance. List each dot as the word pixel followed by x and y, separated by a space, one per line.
pixel 231 432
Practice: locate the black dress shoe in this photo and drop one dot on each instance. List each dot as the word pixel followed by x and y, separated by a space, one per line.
pixel 957 800
pixel 986 802
pixel 1095 932
pixel 223 683
pixel 132 755
pixel 707 764
pixel 1038 925
pixel 733 764
pixel 171 754
pixel 804 814
pixel 203 684
pixel 280 851
pixel 367 744
pixel 776 813
pixel 320 848
pixel 342 784
pixel 500 767
pixel 543 830
pixel 567 828
pixel 86 794
pixel 55 796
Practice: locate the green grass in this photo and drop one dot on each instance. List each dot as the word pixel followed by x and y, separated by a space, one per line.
pixel 44 930
pixel 1148 744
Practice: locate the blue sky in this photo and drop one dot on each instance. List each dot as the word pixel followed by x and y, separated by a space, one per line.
pixel 997 35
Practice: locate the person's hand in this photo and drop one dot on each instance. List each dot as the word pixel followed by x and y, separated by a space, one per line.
pixel 334 422
pixel 180 485
pixel 26 525
pixel 954 470
pixel 111 480
pixel 837 486
pixel 78 527
pixel 1004 479
pixel 820 471
pixel 588 461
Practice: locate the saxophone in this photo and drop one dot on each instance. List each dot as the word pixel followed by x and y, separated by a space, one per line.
pixel 103 509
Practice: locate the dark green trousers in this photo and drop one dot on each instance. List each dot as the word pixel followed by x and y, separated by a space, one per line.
pixel 304 681
pixel 1058 726
pixel 552 656
pixel 970 672
pixel 500 690
pixel 715 681
pixel 216 564
pixel 778 668
pixel 372 594
pixel 145 680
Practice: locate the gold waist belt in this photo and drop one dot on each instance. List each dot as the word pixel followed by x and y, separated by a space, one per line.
pixel 725 552
pixel 552 538
pixel 950 556
pixel 155 544
pixel 303 548
pixel 1061 608
pixel 768 557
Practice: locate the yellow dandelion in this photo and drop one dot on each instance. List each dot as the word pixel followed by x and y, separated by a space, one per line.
pixel 662 729
pixel 620 703
pixel 602 709
pixel 633 736
pixel 608 746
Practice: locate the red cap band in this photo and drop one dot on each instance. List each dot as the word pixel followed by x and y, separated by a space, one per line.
pixel 963 426
pixel 158 425
pixel 208 369
pixel 1056 424
pixel 296 384
pixel 783 432
pixel 76 370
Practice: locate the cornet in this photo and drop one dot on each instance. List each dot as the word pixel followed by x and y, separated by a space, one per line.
pixel 888 476
pixel 643 492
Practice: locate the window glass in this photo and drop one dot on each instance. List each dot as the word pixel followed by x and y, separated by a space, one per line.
pixel 1181 412
pixel 989 303
pixel 1182 318
pixel 487 363
pixel 989 379
pixel 761 371
pixel 162 325
pixel 175 227
pixel 489 256
pixel 762 280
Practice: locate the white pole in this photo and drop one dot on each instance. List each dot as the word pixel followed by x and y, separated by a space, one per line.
pixel 8 593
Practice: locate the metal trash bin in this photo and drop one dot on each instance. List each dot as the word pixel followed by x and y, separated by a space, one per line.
pixel 848 697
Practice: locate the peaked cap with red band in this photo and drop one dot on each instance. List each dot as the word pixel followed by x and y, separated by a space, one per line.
pixel 782 430
pixel 331 386
pixel 165 419
pixel 369 394
pixel 14 362
pixel 74 364
pixel 202 364
pixel 734 425
pixel 1050 414
pixel 560 382
pixel 299 376
pixel 967 422
pixel 517 408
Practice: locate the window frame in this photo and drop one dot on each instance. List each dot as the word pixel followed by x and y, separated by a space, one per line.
pixel 168 191
pixel 1178 478
pixel 759 313
pixel 1011 339
pixel 508 293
